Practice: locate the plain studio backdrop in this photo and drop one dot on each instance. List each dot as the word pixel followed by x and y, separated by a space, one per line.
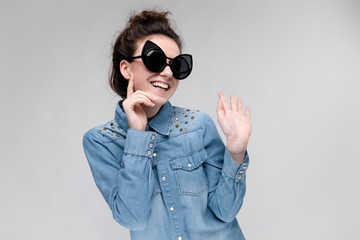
pixel 295 63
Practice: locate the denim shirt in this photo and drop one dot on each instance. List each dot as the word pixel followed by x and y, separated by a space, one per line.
pixel 175 180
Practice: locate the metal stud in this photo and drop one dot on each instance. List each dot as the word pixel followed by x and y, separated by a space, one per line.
pixel 176 125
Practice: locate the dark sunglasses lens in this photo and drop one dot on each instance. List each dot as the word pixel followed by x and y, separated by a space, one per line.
pixel 181 66
pixel 155 60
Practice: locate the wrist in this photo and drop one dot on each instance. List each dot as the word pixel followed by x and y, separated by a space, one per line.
pixel 236 146
pixel 238 157
pixel 237 149
pixel 139 128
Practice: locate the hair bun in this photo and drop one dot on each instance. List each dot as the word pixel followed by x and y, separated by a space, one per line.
pixel 146 17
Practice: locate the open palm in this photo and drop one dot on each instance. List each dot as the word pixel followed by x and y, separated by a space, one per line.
pixel 235 125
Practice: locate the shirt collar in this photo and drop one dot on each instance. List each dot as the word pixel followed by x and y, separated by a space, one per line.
pixel 160 122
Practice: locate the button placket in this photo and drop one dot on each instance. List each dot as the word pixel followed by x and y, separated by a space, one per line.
pixel 151 146
pixel 149 152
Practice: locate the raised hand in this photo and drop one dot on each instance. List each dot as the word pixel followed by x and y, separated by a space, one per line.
pixel 135 113
pixel 235 125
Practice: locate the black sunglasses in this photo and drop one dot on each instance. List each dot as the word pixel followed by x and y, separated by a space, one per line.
pixel 154 59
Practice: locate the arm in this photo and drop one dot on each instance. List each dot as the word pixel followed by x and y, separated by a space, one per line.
pixel 226 167
pixel 226 178
pixel 123 174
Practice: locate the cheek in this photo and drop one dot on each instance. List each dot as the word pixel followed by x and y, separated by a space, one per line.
pixel 176 84
pixel 138 84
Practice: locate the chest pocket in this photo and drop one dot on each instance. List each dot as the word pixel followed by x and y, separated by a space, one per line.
pixel 189 172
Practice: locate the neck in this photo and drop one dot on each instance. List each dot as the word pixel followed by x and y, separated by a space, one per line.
pixel 151 111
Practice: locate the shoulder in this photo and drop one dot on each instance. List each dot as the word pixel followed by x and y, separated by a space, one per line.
pixel 186 119
pixel 107 132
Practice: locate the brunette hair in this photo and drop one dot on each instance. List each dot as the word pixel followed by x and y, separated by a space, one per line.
pixel 138 27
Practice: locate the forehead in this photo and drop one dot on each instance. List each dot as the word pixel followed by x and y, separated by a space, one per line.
pixel 168 45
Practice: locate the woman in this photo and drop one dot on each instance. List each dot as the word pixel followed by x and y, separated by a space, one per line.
pixel 163 170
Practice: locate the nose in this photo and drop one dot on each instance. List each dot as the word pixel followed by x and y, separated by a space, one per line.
pixel 166 72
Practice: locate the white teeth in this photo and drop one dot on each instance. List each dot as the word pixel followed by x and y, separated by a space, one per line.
pixel 160 84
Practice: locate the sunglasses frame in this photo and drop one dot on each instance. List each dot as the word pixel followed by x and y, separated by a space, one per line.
pixel 149 46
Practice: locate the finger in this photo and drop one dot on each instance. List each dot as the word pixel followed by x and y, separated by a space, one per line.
pixel 145 101
pixel 233 104
pixel 224 102
pixel 240 106
pixel 247 113
pixel 138 98
pixel 130 88
pixel 148 95
pixel 220 107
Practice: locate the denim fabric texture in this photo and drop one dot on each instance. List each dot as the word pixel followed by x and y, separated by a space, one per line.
pixel 175 180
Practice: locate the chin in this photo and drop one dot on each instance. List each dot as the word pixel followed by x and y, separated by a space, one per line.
pixel 161 102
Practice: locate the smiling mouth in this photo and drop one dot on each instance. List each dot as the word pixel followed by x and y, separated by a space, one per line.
pixel 161 85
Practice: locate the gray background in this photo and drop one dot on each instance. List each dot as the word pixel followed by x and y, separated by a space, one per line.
pixel 295 63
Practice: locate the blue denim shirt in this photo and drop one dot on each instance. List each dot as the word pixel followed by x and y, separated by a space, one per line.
pixel 176 180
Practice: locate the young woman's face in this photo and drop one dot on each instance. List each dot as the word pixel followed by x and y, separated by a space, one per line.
pixel 163 85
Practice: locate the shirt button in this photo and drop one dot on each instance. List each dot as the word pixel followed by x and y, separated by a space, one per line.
pixel 244 167
pixel 241 171
pixel 154 154
pixel 172 209
pixel 153 137
pixel 189 165
pixel 149 153
pixel 150 145
pixel 179 238
pixel 239 177
pixel 163 179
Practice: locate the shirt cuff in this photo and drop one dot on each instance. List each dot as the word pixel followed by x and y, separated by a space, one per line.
pixel 233 169
pixel 140 143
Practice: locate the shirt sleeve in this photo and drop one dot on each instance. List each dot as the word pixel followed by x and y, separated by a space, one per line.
pixel 226 178
pixel 123 174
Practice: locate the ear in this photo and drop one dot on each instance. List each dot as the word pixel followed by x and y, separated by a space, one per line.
pixel 125 69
